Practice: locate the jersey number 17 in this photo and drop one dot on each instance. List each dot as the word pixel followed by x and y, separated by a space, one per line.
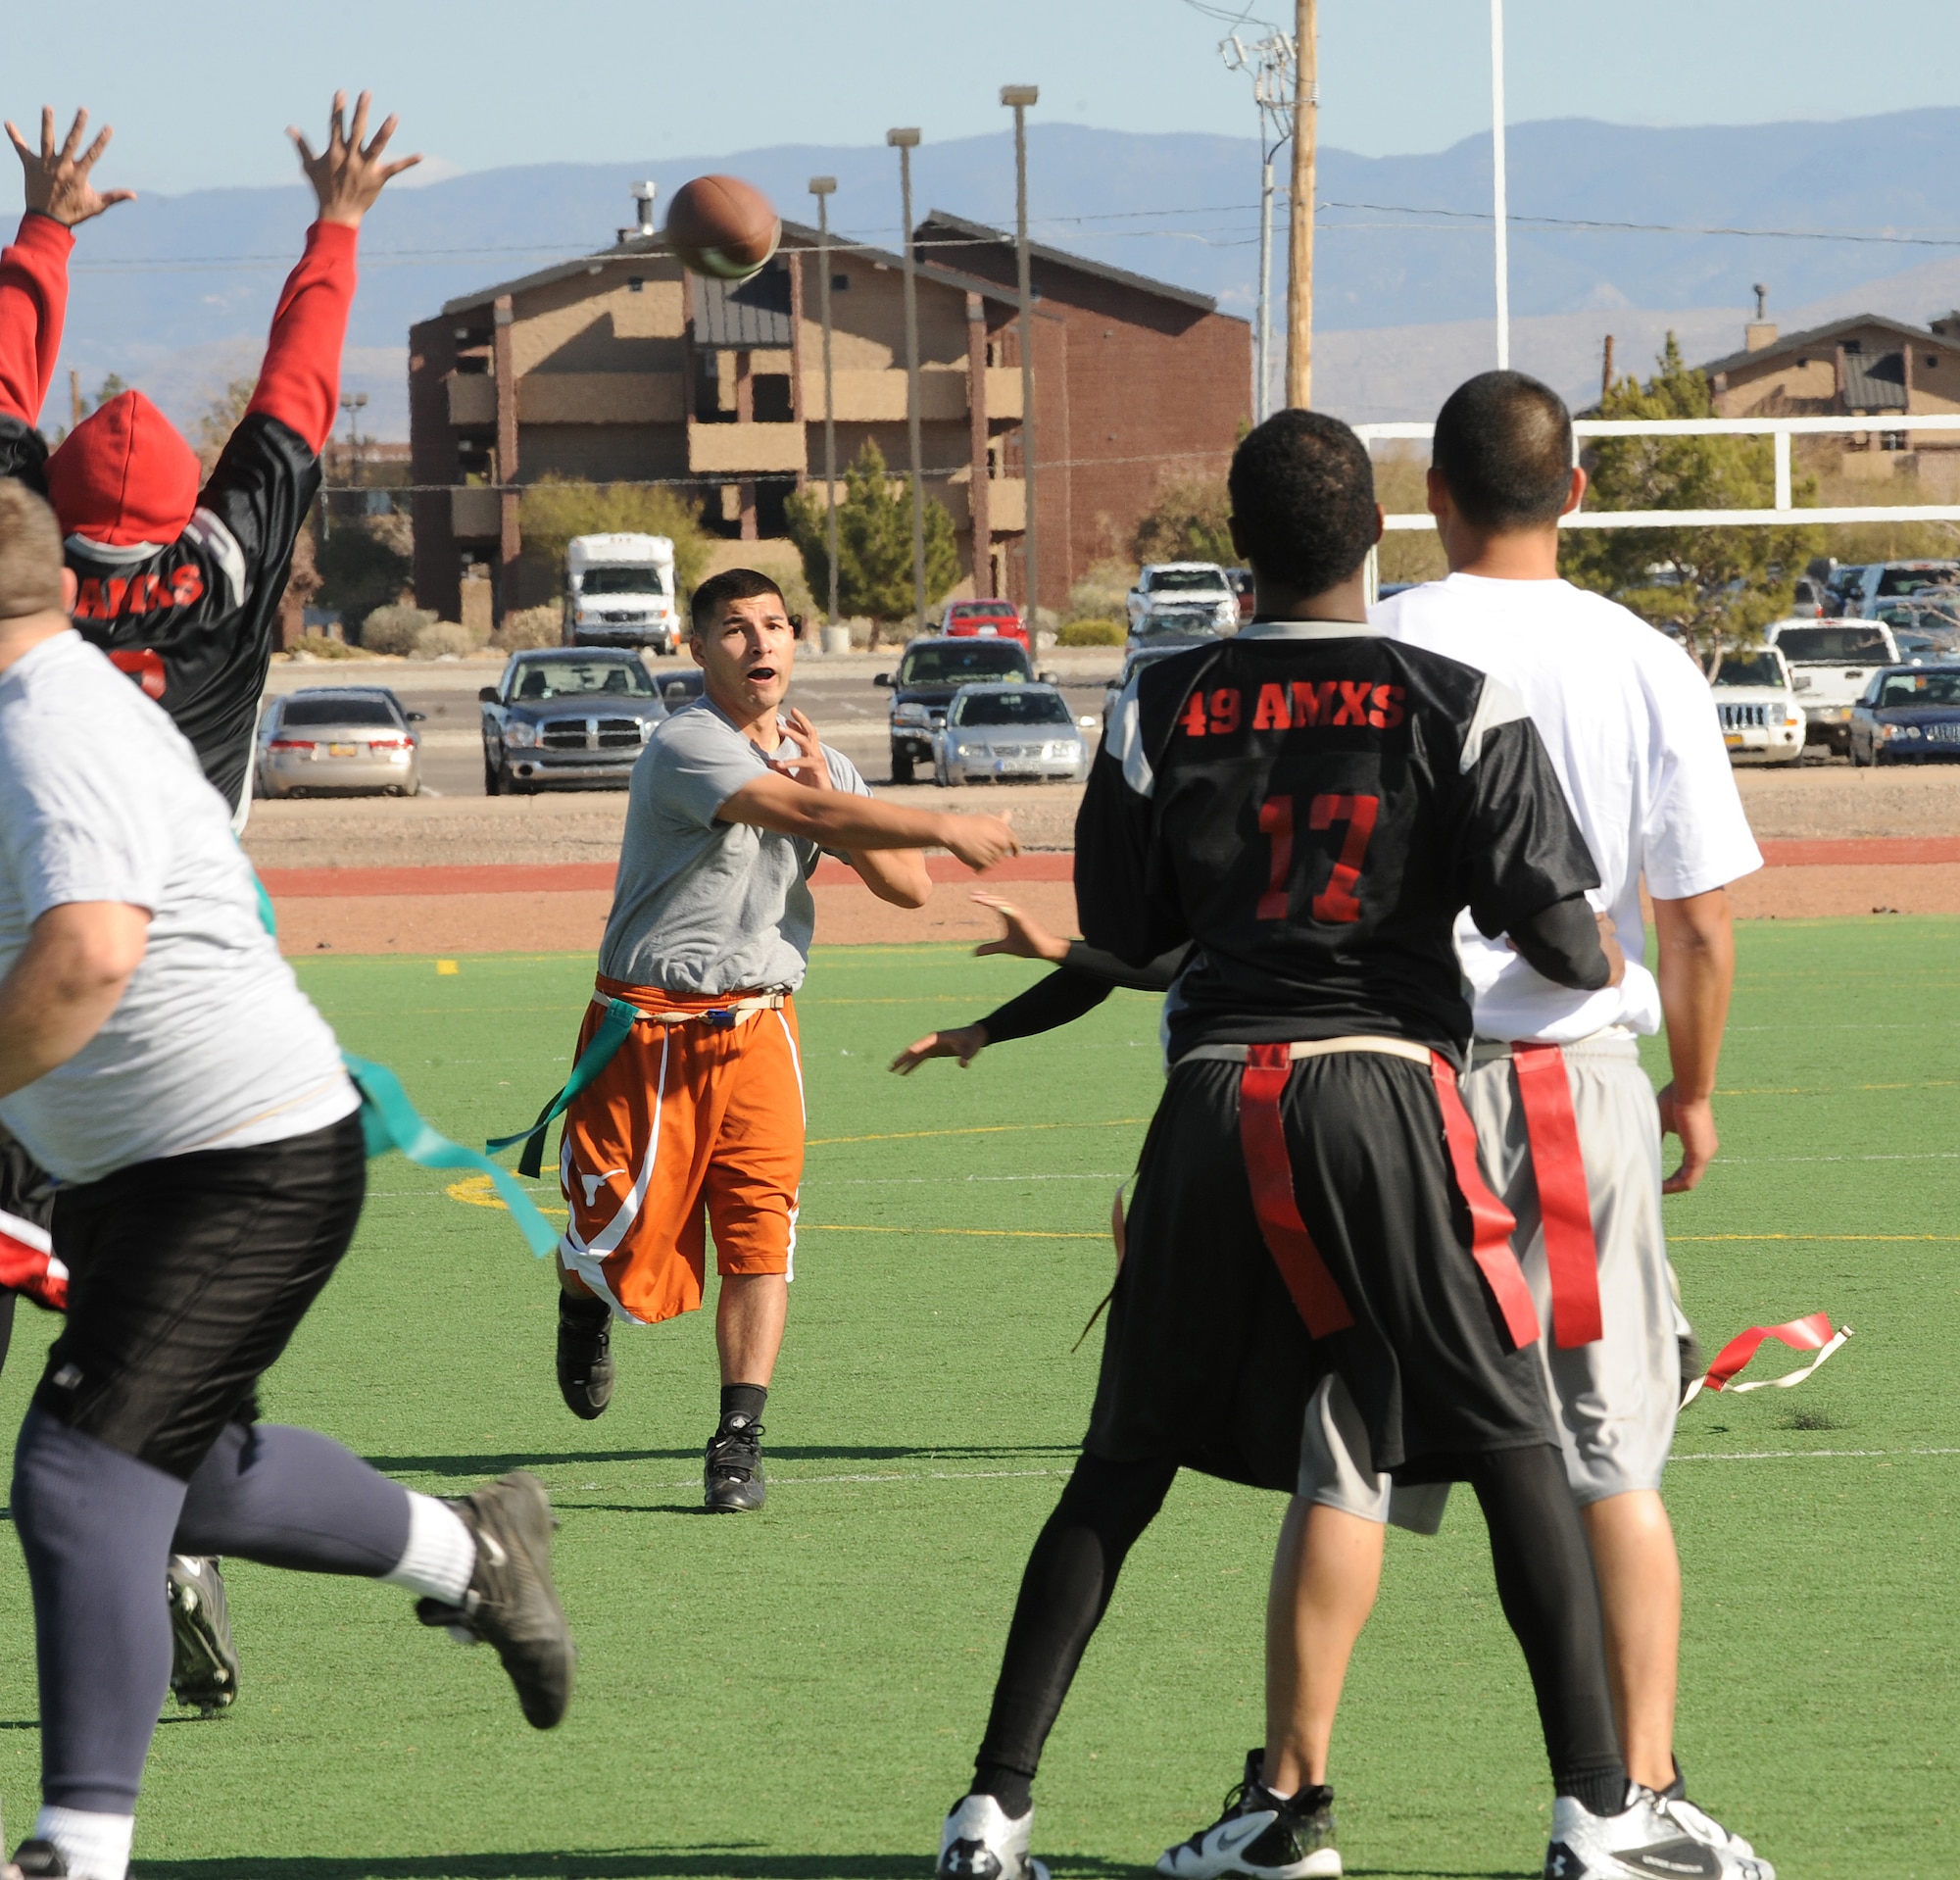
pixel 1336 900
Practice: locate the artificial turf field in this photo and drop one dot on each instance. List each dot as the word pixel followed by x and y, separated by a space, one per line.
pixel 795 1695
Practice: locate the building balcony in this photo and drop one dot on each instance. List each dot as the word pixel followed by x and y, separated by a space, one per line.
pixel 745 450
pixel 472 400
pixel 601 398
pixel 475 513
pixel 879 397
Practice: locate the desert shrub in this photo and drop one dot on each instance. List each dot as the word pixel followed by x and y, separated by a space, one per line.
pixel 318 646
pixel 393 629
pixel 441 638
pixel 1100 594
pixel 528 628
pixel 1091 633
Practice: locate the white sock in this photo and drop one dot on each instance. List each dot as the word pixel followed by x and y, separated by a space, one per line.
pixel 440 1555
pixel 92 1847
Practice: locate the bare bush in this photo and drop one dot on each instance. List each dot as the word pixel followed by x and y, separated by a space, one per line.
pixel 394 629
pixel 443 639
pixel 528 628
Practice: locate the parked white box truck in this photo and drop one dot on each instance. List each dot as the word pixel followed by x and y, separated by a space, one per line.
pixel 619 591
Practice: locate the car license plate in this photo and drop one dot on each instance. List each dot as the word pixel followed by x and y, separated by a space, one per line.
pixel 343 750
pixel 1732 739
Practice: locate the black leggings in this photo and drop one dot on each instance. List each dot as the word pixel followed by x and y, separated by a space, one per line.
pixel 1544 1580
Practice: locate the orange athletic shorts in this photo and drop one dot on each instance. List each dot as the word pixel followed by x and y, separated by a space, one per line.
pixel 691 1127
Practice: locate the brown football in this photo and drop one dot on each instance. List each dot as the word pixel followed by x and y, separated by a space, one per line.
pixel 723 226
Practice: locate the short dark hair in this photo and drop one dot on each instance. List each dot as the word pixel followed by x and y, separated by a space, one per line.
pixel 30 554
pixel 1504 447
pixel 733 584
pixel 1303 499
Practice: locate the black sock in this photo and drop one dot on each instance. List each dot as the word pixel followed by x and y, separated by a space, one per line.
pixel 1014 1790
pixel 745 1400
pixel 580 1312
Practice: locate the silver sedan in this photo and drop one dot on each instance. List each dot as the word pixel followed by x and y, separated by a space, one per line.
pixel 996 733
pixel 341 740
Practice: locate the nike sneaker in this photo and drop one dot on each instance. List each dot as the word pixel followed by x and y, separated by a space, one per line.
pixel 981 1841
pixel 510 1602
pixel 732 1478
pixel 1268 1836
pixel 1702 1826
pixel 204 1665
pixel 1642 1842
pixel 584 1354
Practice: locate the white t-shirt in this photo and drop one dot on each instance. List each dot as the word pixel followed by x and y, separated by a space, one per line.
pixel 213 1045
pixel 1627 720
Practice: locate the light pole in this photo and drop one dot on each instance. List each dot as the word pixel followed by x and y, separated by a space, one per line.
pixel 1270 62
pixel 905 142
pixel 1019 98
pixel 1499 207
pixel 1299 220
pixel 822 187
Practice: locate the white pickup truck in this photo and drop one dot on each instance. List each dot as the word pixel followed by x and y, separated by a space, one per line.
pixel 1830 663
pixel 1182 597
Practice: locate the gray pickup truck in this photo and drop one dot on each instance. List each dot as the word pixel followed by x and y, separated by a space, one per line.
pixel 1830 663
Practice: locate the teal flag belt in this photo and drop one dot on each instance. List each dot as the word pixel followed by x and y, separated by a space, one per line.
pixel 614 1030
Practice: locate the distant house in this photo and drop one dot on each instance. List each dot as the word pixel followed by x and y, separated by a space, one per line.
pixel 1865 367
pixel 619 367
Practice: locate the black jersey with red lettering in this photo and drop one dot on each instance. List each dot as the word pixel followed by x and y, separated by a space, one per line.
pixel 194 620
pixel 1313 804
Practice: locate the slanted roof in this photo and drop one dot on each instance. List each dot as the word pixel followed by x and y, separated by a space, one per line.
pixel 1820 338
pixel 752 314
pixel 1874 381
pixel 978 231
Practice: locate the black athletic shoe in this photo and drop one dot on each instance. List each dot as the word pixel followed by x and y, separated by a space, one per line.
pixel 38 1860
pixel 732 1479
pixel 1263 1835
pixel 204 1665
pixel 510 1602
pixel 584 1354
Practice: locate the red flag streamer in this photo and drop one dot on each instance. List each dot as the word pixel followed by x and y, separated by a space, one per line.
pixel 1812 1333
pixel 28 1264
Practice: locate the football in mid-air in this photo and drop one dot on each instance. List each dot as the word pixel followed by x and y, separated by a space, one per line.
pixel 723 226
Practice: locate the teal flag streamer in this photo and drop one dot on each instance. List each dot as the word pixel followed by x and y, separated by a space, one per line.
pixel 614 1029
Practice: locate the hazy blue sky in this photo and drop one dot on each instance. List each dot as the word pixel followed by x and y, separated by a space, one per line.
pixel 200 91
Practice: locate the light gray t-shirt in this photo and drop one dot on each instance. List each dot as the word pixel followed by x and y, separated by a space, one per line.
pixel 213 1045
pixel 700 905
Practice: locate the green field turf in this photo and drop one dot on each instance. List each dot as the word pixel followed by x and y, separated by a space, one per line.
pixel 795 1695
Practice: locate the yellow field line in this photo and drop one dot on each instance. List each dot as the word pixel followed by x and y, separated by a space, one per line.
pixel 978 1129
pixel 1829 1090
pixel 961 1233
pixel 1856 1237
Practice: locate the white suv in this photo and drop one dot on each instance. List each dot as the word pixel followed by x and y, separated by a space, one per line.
pixel 1182 597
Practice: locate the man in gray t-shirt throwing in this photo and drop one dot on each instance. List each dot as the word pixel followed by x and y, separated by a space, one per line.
pixel 697 1120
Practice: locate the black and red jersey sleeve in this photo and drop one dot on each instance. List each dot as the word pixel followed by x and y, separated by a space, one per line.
pixel 299 382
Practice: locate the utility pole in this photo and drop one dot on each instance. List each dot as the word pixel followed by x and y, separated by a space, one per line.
pixel 1019 98
pixel 822 187
pixel 1270 62
pixel 1299 220
pixel 905 142
pixel 1499 206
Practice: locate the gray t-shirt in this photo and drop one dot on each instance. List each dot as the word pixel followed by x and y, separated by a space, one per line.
pixel 213 1045
pixel 702 905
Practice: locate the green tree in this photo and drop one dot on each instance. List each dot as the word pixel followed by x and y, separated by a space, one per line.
pixel 1187 522
pixel 553 510
pixel 1718 587
pixel 874 542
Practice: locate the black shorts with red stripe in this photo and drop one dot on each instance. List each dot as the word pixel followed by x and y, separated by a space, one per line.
pixel 1209 1359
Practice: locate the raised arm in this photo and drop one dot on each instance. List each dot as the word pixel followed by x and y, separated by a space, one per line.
pixel 299 383
pixel 837 819
pixel 33 271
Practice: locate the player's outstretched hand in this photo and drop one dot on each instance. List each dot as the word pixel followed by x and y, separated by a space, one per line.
pixel 1025 938
pixel 348 175
pixel 57 179
pixel 979 841
pixel 965 1044
pixel 808 766
pixel 1694 1124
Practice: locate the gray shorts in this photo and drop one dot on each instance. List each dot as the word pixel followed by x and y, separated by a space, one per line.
pixel 1615 1399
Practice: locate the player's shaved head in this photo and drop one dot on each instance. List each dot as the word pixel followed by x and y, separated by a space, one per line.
pixel 1503 449
pixel 1303 501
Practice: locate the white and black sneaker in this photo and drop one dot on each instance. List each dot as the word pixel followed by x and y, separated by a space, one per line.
pixel 1645 1841
pixel 1702 1825
pixel 1262 1834
pixel 981 1841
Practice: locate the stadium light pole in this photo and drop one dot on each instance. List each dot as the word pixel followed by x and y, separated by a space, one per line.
pixel 822 187
pixel 905 142
pixel 1299 220
pixel 1018 98
pixel 1499 207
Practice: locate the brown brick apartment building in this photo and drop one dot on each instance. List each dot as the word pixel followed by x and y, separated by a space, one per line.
pixel 619 367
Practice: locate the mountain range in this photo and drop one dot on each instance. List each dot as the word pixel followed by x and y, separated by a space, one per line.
pixel 1615 228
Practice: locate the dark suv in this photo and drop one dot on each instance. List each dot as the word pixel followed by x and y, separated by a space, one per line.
pixel 928 675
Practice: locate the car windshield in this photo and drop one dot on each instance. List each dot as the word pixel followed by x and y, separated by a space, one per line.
pixel 1910 581
pixel 1011 708
pixel 980 611
pixel 1906 689
pixel 1827 645
pixel 338 710
pixel 622 580
pixel 1187 581
pixel 950 665
pixel 579 679
pixel 1750 668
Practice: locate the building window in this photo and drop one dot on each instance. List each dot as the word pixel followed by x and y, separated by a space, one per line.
pixel 838 284
pixel 1932 359
pixel 636 283
pixel 1855 346
pixel 1804 362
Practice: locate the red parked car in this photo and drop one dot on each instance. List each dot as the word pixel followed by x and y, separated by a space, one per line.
pixel 990 617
